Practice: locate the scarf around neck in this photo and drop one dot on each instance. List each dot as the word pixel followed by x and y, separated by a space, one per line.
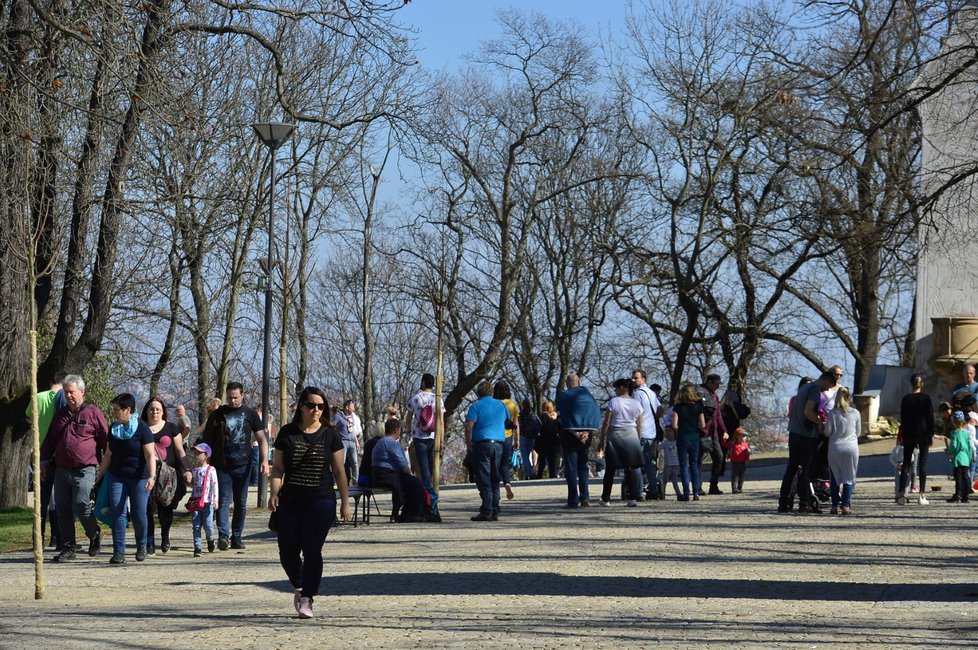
pixel 122 431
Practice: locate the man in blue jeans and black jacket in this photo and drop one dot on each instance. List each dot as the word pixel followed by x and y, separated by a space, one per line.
pixel 229 432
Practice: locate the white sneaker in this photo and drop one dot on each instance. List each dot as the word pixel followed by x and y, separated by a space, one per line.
pixel 305 607
pixel 632 503
pixel 922 500
pixel 606 504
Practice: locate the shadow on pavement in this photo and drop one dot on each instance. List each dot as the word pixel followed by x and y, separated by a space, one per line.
pixel 552 584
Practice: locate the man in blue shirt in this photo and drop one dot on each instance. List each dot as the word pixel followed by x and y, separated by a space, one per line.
pixel 390 469
pixel 963 395
pixel 485 431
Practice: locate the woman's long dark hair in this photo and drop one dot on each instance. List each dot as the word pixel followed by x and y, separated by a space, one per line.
pixel 144 416
pixel 304 397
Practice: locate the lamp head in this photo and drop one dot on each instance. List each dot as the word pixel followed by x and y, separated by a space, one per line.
pixel 273 134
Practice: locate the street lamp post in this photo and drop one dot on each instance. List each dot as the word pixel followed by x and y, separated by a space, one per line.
pixel 272 135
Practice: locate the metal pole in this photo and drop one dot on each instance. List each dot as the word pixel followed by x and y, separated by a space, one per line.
pixel 266 355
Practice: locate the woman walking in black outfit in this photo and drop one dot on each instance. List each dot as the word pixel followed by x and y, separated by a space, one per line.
pixel 917 423
pixel 309 457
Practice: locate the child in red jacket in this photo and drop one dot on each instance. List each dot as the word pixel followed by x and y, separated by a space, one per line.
pixel 739 455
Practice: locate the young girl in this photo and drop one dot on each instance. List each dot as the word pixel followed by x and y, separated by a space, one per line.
pixel 959 453
pixel 739 455
pixel 205 494
pixel 669 462
pixel 896 459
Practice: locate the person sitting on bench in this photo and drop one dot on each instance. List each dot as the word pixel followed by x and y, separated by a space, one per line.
pixel 390 470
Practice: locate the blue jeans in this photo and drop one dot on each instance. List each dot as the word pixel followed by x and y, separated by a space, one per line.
pixel 506 462
pixel 350 462
pixel 255 465
pixel 650 449
pixel 127 496
pixel 575 472
pixel 203 518
pixel 487 459
pixel 72 497
pixel 47 488
pixel 233 482
pixel 424 450
pixel 526 450
pixel 302 530
pixel 689 463
pixel 845 498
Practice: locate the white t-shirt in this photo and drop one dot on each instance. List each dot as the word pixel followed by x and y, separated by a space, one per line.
pixel 650 405
pixel 357 427
pixel 420 400
pixel 624 411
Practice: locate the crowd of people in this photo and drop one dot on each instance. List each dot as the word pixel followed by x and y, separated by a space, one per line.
pixel 142 466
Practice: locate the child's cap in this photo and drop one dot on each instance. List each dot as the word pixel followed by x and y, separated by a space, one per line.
pixel 957 416
pixel 204 447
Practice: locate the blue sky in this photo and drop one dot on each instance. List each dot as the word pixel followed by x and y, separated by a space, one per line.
pixel 449 29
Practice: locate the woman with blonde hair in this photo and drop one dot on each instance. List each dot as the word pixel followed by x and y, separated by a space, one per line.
pixel 689 424
pixel 843 429
pixel 548 444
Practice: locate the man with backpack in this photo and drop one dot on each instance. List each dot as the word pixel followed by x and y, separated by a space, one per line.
pixel 230 431
pixel 423 418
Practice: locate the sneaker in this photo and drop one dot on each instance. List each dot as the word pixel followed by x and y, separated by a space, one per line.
pixel 585 503
pixel 223 543
pixel 603 503
pixel 696 497
pixel 151 547
pixel 846 510
pixel 716 491
pixel 682 497
pixel 117 558
pixel 922 500
pixel 305 607
pixel 494 516
pixel 783 510
pixel 954 499
pixel 901 501
pixel 296 597
pixel 237 544
pixel 67 555
pixel 632 503
pixel 481 517
pixel 197 552
pixel 95 544
pixel 165 546
pixel 141 553
pixel 210 546
pixel 834 510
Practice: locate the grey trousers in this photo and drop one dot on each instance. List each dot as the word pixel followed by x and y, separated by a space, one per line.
pixel 72 493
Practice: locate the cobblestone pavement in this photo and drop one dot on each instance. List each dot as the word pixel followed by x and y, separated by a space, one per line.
pixel 724 570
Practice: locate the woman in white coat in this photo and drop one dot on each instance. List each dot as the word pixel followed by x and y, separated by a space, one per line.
pixel 843 429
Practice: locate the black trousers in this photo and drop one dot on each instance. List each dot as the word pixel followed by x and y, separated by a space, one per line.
pixel 908 447
pixel 801 453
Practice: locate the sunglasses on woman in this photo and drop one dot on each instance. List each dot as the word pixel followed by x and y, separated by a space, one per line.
pixel 314 406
